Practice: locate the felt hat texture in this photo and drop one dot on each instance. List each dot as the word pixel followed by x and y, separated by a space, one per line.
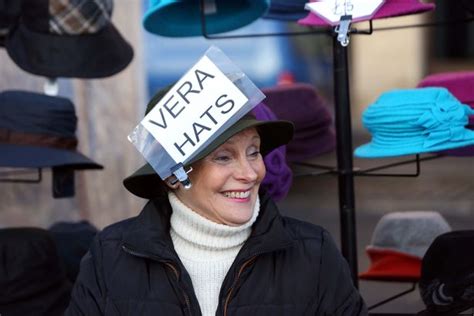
pixel 461 85
pixel 414 121
pixel 38 131
pixel 301 104
pixel 399 242
pixel 389 9
pixel 182 18
pixel 447 274
pixel 68 38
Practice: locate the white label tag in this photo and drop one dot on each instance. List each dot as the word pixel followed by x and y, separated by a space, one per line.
pixel 194 109
pixel 210 7
pixel 332 10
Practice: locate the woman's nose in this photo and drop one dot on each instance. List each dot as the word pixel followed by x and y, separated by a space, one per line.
pixel 246 170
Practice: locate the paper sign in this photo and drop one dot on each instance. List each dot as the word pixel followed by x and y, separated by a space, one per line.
pixel 332 10
pixel 193 110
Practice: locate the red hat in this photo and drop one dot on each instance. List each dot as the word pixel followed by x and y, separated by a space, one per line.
pixel 391 265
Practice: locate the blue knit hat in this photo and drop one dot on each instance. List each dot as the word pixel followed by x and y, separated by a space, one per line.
pixel 413 121
pixel 180 18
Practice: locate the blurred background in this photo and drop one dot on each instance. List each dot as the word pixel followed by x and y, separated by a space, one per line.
pixel 108 110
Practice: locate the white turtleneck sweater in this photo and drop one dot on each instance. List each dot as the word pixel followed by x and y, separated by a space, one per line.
pixel 206 249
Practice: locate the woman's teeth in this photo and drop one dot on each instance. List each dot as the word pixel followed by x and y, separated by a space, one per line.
pixel 237 195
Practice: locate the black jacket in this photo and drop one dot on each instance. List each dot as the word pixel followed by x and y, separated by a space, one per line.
pixel 286 267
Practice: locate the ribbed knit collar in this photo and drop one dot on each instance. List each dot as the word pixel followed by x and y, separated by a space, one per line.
pixel 203 233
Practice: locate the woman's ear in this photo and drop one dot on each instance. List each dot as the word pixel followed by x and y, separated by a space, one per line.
pixel 172 182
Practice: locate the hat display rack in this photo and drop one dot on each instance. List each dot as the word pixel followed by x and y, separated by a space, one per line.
pixel 345 170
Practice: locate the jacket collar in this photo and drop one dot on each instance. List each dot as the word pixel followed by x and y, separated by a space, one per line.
pixel 149 233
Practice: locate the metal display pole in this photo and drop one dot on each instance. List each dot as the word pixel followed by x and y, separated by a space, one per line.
pixel 344 158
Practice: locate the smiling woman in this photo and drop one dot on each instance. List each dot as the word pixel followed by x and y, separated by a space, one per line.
pixel 220 247
pixel 226 182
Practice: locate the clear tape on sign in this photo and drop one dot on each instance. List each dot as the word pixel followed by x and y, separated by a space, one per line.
pixel 209 98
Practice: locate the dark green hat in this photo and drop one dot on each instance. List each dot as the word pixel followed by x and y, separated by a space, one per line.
pixel 146 183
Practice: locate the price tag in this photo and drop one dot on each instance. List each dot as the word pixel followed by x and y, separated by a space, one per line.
pixel 332 10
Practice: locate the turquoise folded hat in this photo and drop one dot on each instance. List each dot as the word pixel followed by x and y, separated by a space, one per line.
pixel 180 18
pixel 414 121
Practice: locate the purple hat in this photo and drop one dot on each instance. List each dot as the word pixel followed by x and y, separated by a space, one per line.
pixel 390 8
pixel 309 112
pixel 279 176
pixel 461 85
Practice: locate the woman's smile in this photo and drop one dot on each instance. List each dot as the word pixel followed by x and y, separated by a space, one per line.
pixel 226 182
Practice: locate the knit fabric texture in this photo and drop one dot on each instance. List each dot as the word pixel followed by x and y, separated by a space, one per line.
pixel 206 249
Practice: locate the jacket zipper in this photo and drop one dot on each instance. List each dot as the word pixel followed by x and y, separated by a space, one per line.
pixel 168 264
pixel 186 297
pixel 229 295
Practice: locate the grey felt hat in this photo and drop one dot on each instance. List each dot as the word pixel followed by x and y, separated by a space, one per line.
pixel 410 232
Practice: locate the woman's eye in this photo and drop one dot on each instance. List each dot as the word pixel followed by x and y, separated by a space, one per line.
pixel 255 154
pixel 222 158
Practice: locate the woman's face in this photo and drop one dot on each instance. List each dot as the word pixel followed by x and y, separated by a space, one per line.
pixel 225 183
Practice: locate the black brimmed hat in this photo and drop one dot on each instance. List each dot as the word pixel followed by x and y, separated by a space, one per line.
pixel 38 131
pixel 447 274
pixel 67 38
pixel 146 183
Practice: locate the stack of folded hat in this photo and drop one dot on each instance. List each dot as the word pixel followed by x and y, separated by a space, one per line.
pixel 399 242
pixel 447 275
pixel 278 178
pixel 286 10
pixel 65 38
pixel 461 85
pixel 390 8
pixel 301 104
pixel 181 18
pixel 414 121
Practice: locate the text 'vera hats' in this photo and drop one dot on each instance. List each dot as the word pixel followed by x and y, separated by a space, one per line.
pixel 180 18
pixel 414 121
pixel 38 131
pixel 461 85
pixel 399 242
pixel 68 38
pixel 146 183
pixel 389 9
pixel 447 274
pixel 301 104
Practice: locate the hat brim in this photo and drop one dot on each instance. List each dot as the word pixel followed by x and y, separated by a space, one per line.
pixel 392 266
pixel 20 156
pixel 388 10
pixel 371 150
pixel 179 18
pixel 146 183
pixel 97 55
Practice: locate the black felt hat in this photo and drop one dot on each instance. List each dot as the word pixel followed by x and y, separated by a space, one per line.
pixel 66 38
pixel 38 131
pixel 146 183
pixel 447 274
pixel 9 14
